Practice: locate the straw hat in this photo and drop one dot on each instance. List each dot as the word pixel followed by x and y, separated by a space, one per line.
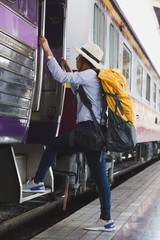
pixel 92 53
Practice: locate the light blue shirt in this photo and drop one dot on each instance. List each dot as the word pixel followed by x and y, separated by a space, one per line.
pixel 91 84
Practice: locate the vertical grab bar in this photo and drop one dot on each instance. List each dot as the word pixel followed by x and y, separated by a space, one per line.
pixel 41 54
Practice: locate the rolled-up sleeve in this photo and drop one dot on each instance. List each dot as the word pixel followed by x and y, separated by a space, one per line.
pixel 85 78
pixel 62 76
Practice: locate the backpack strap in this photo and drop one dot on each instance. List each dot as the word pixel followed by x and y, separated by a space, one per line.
pixel 104 102
pixel 118 101
pixel 88 104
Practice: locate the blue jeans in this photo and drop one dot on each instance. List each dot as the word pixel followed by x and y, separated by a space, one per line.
pixel 96 162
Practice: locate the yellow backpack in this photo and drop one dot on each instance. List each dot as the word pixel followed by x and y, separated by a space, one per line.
pixel 121 124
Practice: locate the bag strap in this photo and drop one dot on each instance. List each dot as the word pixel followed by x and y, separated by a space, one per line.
pixel 88 104
pixel 104 102
pixel 118 101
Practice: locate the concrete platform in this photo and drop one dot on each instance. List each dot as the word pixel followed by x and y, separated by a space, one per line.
pixel 135 210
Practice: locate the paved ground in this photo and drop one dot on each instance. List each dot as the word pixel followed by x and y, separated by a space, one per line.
pixel 135 210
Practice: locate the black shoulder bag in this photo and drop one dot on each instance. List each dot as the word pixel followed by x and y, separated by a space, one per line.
pixel 89 140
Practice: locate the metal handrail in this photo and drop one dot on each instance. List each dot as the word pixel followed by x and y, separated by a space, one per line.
pixel 41 54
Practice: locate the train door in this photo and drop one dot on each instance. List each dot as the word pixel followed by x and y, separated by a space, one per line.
pixel 49 94
pixel 18 55
pixel 21 159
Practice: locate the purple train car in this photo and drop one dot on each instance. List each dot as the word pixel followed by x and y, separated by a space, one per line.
pixel 31 102
pixel 18 55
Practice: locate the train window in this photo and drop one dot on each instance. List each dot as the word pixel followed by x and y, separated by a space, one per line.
pixel 95 29
pixel 139 79
pixel 102 32
pixel 99 28
pixel 154 94
pixel 148 86
pixel 113 47
pixel 127 57
pixel 159 100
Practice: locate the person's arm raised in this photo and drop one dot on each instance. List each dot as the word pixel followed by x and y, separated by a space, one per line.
pixel 44 44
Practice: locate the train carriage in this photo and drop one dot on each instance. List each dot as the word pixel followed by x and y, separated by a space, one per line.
pixel 104 23
pixel 34 107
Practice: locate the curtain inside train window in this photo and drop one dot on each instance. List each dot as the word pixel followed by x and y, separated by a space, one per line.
pixel 159 100
pixel 99 26
pixel 127 60
pixel 154 94
pixel 95 28
pixel 148 86
pixel 139 79
pixel 12 1
pixel 113 47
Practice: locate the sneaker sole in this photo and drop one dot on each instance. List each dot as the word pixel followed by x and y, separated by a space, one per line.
pixel 100 229
pixel 34 191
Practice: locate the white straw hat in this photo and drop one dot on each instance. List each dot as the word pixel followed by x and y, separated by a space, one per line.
pixel 92 53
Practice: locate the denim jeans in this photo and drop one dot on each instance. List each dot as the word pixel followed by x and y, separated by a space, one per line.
pixel 96 162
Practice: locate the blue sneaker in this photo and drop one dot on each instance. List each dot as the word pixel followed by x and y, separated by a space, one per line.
pixel 30 186
pixel 101 225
